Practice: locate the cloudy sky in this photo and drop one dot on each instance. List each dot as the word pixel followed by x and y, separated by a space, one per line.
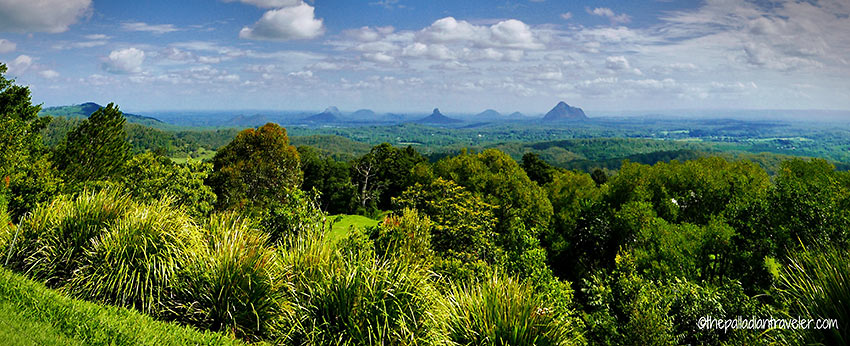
pixel 405 55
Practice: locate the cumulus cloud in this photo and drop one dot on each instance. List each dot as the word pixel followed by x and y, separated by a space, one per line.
pixel 52 16
pixel 269 3
pixel 567 15
pixel 7 46
pixel 608 13
pixel 151 28
pixel 125 61
pixel 288 23
pixel 368 34
pixel 509 33
pixel 21 64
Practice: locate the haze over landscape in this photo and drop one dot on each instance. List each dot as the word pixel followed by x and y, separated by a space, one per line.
pixel 412 56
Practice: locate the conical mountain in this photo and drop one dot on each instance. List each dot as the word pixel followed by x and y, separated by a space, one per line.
pixel 437 118
pixel 564 111
pixel 489 114
pixel 330 115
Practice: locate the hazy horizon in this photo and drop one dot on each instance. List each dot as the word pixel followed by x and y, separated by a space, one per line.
pixel 407 56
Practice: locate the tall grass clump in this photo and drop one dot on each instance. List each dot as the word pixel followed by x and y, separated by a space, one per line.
pixel 134 262
pixel 815 284
pixel 358 299
pixel 504 311
pixel 233 282
pixel 49 242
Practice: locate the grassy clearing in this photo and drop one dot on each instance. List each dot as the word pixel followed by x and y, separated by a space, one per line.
pixel 32 314
pixel 341 228
pixel 202 154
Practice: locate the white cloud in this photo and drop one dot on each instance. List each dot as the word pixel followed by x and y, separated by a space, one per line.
pixel 608 13
pixel 151 28
pixel 289 23
pixel 20 65
pixel 49 74
pixel 567 15
pixel 368 34
pixel 97 37
pixel 269 3
pixel 7 46
pixel 509 33
pixel 617 63
pixel 127 60
pixel 53 16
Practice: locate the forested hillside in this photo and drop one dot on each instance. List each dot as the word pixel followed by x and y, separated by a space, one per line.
pixel 551 243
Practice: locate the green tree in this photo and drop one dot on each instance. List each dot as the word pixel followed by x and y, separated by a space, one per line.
pixel 384 173
pixel 256 169
pixel 330 178
pixel 97 149
pixel 25 169
pixel 500 181
pixel 150 177
pixel 537 169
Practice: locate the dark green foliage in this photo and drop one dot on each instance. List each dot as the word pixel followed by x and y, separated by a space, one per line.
pixel 97 149
pixel 384 173
pixel 26 173
pixel 258 168
pixel 330 178
pixel 537 170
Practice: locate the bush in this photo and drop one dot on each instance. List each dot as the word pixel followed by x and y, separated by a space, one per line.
pixel 135 260
pixel 816 284
pixel 503 311
pixel 357 299
pixel 51 239
pixel 232 282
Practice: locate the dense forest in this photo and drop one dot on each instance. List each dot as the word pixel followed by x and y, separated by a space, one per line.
pixel 485 246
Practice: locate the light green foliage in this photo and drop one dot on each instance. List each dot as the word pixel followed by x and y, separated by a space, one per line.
pixel 232 282
pixel 357 299
pixel 407 235
pixel 343 225
pixel 503 311
pixel 51 240
pixel 500 181
pixel 151 177
pixel 815 283
pixel 464 225
pixel 135 260
pixel 258 168
pixel 97 149
pixel 32 314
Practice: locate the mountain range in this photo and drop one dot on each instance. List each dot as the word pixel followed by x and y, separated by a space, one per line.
pixel 84 110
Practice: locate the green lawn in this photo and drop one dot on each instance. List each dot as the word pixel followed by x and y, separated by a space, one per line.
pixel 341 228
pixel 32 314
pixel 198 155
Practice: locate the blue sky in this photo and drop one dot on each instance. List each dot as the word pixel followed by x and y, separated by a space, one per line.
pixel 405 56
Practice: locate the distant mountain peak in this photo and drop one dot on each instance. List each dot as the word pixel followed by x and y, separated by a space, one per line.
pixel 563 111
pixel 489 114
pixel 438 118
pixel 332 110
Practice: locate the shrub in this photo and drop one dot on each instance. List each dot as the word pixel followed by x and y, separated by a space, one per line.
pixel 232 282
pixel 504 311
pixel 357 298
pixel 51 239
pixel 816 284
pixel 133 263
